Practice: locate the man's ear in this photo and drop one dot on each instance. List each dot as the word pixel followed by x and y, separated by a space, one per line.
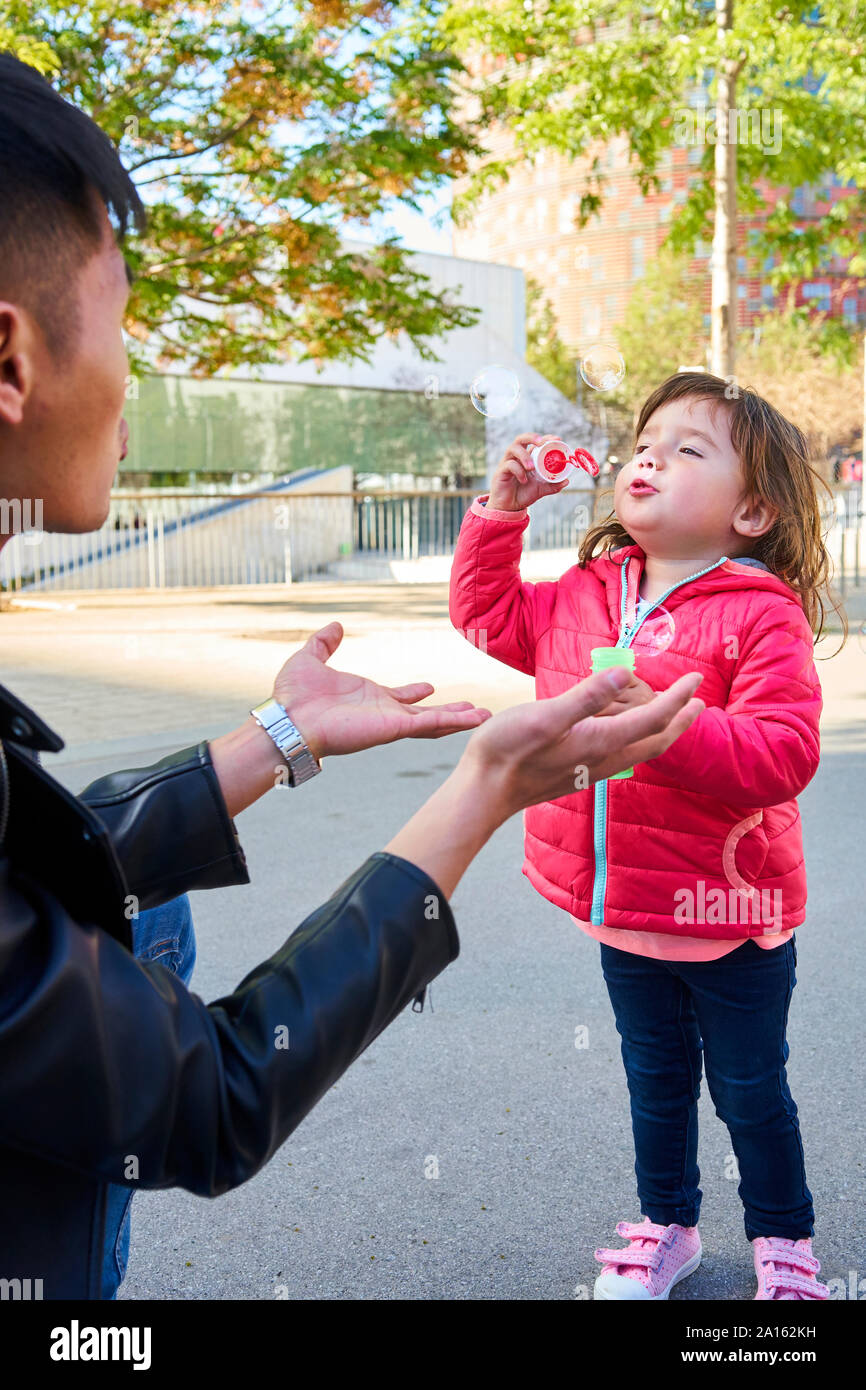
pixel 16 369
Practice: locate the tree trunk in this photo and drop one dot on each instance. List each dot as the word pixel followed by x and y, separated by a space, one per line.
pixel 724 265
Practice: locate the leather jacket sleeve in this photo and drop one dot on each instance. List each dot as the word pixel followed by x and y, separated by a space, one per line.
pixel 169 826
pixel 104 1057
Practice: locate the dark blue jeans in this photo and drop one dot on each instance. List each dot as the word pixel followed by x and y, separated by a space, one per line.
pixel 166 935
pixel 735 1011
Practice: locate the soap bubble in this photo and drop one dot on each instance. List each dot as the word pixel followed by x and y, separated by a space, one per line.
pixel 495 391
pixel 602 367
pixel 655 634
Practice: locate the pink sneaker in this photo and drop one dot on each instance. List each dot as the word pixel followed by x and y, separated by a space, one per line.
pixel 656 1258
pixel 777 1263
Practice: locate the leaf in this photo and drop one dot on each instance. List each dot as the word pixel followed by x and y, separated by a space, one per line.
pixel 254 136
pixel 617 69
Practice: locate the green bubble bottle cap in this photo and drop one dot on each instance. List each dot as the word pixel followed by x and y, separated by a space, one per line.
pixel 603 658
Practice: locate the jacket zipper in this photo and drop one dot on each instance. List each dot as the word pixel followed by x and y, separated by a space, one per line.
pixel 599 816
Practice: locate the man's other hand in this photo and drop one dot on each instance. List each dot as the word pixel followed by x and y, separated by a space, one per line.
pixel 337 712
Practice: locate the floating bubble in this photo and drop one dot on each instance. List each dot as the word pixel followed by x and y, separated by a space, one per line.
pixel 655 634
pixel 602 367
pixel 495 391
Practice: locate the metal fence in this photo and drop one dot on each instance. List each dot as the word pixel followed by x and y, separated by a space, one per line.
pixel 849 521
pixel 160 539
pixel 157 540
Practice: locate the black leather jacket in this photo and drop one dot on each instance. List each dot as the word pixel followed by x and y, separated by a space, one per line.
pixel 103 1056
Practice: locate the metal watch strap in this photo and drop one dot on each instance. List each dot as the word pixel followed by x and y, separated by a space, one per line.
pixel 275 720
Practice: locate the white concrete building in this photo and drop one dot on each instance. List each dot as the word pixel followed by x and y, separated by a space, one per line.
pixel 498 336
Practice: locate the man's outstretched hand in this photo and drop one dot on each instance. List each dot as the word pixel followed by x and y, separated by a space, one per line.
pixel 340 713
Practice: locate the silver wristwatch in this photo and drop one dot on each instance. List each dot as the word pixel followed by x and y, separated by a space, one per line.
pixel 276 722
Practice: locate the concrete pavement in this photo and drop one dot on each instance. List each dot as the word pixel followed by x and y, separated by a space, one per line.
pixel 473 1151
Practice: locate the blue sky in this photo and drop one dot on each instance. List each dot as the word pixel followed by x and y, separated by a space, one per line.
pixel 427 231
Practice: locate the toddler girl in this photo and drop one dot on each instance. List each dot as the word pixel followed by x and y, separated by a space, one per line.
pixel 690 872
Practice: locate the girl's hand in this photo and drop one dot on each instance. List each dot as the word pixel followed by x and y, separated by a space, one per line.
pixel 637 692
pixel 515 483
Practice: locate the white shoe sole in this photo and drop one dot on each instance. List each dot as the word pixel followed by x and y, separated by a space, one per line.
pixel 617 1286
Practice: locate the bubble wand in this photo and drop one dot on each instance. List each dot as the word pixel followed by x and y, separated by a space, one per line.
pixel 553 461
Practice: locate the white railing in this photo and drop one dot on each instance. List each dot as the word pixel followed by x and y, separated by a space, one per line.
pixel 847 537
pixel 161 540
pixel 157 540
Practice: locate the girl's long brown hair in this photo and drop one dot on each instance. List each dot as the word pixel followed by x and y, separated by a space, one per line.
pixel 776 468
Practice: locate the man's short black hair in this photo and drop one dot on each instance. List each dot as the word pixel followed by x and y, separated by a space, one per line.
pixel 53 160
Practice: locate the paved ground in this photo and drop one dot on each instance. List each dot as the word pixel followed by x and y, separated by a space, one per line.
pixel 531 1136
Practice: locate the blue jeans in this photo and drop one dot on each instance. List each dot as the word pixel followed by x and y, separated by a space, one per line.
pixel 165 935
pixel 733 1010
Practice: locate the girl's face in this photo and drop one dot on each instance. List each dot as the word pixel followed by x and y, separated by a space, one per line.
pixel 685 453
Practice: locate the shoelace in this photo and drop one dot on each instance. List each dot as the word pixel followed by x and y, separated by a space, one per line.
pixel 636 1254
pixel 785 1280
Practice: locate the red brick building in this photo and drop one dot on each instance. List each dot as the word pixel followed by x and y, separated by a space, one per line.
pixel 588 275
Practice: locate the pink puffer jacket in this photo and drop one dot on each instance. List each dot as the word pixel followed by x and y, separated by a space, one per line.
pixel 704 840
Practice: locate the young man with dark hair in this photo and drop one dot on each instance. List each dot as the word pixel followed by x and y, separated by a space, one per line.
pixel 105 1058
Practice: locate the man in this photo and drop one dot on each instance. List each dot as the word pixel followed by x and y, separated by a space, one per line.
pixel 111 1072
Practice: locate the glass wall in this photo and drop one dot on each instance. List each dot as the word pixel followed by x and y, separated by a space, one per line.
pixel 222 427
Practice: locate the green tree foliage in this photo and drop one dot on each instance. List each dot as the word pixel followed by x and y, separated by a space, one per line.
pixel 808 365
pixel 811 368
pixel 256 132
pixel 662 328
pixel 545 350
pixel 570 75
pixel 29 50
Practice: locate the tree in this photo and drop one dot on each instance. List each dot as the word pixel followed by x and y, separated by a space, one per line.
pixel 808 366
pixel 545 350
pixel 662 328
pixel 32 51
pixel 811 368
pixel 723 304
pixel 256 133
pixel 570 75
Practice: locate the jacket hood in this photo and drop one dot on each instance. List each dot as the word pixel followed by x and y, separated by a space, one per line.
pixel 726 574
